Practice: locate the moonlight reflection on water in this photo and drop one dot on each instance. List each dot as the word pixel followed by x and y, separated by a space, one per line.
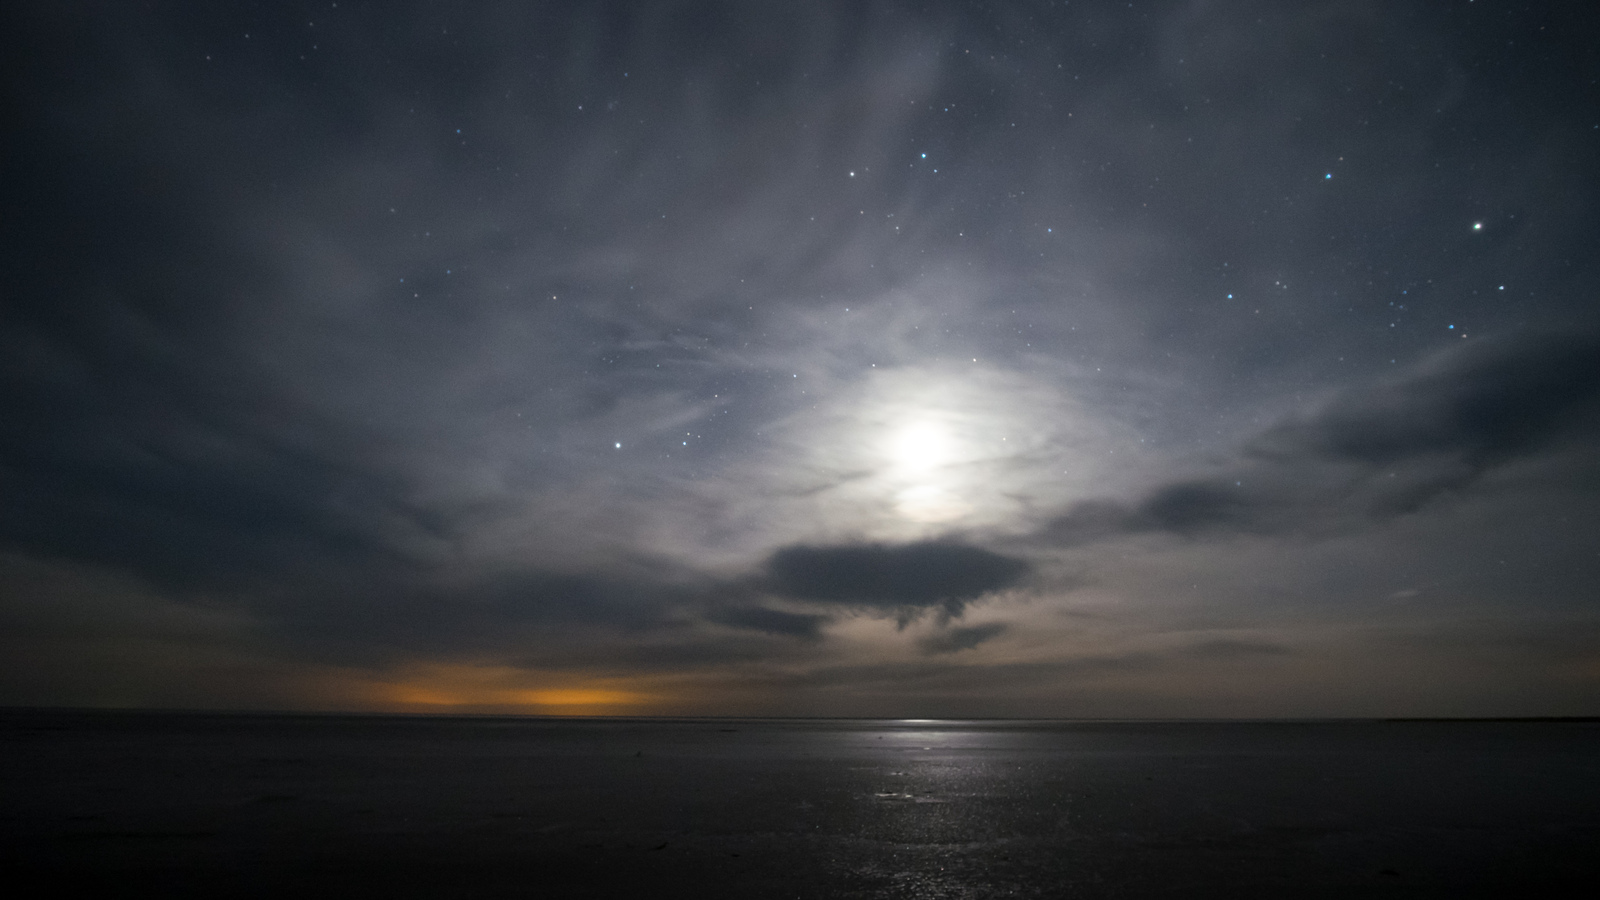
pixel 202 805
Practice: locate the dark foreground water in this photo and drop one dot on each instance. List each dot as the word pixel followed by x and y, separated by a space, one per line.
pixel 235 805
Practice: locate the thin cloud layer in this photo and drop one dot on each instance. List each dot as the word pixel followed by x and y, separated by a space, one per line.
pixel 1484 404
pixel 954 640
pixel 1380 450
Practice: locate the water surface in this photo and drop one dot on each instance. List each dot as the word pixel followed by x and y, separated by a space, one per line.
pixel 266 805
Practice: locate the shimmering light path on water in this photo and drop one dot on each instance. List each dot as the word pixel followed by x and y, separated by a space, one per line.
pixel 368 806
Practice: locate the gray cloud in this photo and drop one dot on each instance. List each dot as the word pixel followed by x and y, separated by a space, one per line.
pixel 1225 648
pixel 209 504
pixel 893 578
pixel 1484 404
pixel 951 640
pixel 1380 451
pixel 772 621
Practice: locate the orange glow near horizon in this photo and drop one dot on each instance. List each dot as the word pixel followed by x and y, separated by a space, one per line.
pixel 447 687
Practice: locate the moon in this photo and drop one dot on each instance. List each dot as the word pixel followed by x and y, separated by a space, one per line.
pixel 923 455
pixel 920 448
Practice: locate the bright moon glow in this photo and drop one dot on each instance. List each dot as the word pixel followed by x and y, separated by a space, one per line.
pixel 912 452
pixel 922 455
pixel 922 447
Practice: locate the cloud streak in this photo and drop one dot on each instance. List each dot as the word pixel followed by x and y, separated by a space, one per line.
pixel 1376 452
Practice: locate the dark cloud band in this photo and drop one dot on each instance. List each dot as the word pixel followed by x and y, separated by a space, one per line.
pixel 1380 451
pixel 924 574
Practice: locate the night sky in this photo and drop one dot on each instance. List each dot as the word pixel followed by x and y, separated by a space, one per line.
pixel 909 359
